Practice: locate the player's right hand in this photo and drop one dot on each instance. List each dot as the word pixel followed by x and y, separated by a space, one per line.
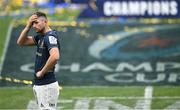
pixel 31 20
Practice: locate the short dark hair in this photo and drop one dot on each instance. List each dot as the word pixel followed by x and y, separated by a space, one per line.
pixel 40 14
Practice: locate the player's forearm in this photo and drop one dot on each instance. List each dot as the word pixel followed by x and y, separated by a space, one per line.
pixel 23 36
pixel 51 62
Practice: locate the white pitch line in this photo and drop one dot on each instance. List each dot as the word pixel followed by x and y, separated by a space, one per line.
pixel 133 97
pixel 147 97
pixel 6 45
pixel 145 103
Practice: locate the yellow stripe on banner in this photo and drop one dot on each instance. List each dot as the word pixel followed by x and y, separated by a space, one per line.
pixel 60 88
pixel 8 79
pixel 14 80
pixel 19 81
pixel 26 82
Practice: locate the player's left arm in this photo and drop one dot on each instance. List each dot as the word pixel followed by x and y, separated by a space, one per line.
pixel 52 60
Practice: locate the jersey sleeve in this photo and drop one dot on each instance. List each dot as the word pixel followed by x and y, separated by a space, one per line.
pixel 51 41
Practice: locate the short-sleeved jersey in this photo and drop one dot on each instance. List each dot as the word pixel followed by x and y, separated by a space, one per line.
pixel 44 43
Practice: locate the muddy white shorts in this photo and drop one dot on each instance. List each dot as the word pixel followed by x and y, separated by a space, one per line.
pixel 46 95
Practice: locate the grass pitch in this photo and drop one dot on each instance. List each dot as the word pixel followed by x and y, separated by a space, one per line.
pixel 111 98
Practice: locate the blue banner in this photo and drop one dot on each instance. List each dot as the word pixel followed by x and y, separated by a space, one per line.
pixel 132 8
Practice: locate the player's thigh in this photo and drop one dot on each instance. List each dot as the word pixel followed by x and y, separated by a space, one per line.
pixel 53 92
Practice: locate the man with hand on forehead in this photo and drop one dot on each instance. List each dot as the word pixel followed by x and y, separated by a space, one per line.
pixel 45 85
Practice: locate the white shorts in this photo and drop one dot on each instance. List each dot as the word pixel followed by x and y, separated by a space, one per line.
pixel 47 96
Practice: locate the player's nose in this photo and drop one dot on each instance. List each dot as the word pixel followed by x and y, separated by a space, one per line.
pixel 34 25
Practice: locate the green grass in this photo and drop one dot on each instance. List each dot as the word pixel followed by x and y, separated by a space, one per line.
pixel 18 98
pixel 15 97
pixel 165 92
pixel 102 91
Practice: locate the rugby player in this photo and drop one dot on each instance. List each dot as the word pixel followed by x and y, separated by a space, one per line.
pixel 45 85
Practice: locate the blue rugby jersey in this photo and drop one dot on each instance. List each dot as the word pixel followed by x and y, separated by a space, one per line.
pixel 44 43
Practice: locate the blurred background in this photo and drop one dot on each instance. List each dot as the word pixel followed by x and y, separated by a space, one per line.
pixel 115 54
